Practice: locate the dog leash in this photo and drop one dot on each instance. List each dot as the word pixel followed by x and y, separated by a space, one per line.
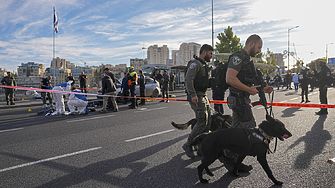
pixel 273 115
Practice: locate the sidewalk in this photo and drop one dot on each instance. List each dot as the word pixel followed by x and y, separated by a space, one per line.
pixel 30 101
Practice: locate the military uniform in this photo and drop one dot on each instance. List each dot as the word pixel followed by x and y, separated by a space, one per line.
pixel 239 100
pixel 303 79
pixel 324 83
pixel 240 103
pixel 217 94
pixel 172 81
pixel 165 86
pixel 197 82
pixel 9 92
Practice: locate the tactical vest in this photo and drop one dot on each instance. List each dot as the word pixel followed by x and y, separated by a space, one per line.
pixel 247 73
pixel 201 82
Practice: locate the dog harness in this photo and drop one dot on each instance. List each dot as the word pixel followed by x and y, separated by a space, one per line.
pixel 257 136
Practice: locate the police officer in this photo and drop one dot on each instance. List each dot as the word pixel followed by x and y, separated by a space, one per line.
pixel 217 94
pixel 141 82
pixel 197 82
pixel 172 81
pixel 82 80
pixel 9 92
pixel 108 72
pixel 70 77
pixel 324 82
pixel 165 86
pixel 241 76
pixel 132 82
pixel 46 84
pixel 303 79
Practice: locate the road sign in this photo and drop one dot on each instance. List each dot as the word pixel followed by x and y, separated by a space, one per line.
pixel 331 61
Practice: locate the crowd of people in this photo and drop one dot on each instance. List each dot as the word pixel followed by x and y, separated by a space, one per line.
pixel 77 103
pixel 305 78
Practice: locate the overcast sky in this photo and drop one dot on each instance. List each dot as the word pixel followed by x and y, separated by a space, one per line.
pixel 113 31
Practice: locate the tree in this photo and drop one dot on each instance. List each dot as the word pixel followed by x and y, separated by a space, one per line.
pixel 269 60
pixel 228 42
pixel 315 64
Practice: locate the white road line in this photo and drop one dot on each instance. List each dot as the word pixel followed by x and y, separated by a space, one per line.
pixel 138 138
pixel 148 110
pixel 90 118
pixel 48 159
pixel 8 130
pixel 293 98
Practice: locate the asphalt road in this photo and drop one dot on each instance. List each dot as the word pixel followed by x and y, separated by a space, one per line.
pixel 140 148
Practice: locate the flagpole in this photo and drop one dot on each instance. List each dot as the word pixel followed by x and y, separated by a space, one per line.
pixel 53 44
pixel 53 31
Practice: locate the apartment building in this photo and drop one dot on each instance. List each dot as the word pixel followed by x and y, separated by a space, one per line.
pixel 158 55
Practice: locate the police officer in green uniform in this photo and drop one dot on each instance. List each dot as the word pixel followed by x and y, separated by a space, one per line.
pixel 197 82
pixel 324 82
pixel 9 92
pixel 241 76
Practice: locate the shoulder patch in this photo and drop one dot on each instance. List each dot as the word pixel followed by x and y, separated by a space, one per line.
pixel 236 60
pixel 193 65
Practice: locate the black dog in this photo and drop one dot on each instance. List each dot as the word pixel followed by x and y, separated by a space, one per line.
pixel 253 142
pixel 219 121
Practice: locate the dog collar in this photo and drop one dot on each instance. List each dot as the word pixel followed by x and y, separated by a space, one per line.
pixel 267 137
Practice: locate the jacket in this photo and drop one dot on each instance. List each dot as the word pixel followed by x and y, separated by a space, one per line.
pixel 107 85
pixel 324 76
pixel 8 81
pixel 141 80
pixel 125 85
pixel 166 81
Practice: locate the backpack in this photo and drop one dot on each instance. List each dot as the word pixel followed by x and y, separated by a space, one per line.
pixel 220 76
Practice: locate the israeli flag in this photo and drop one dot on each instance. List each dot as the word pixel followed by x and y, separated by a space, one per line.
pixel 55 22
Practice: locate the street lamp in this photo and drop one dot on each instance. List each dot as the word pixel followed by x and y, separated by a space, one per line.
pixel 327 52
pixel 288 46
pixel 143 48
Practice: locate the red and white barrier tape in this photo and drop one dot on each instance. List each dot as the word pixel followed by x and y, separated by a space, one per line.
pixel 296 105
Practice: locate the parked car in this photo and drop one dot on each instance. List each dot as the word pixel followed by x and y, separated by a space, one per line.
pixel 152 89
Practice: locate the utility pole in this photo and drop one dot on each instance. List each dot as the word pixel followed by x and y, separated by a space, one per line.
pixel 212 29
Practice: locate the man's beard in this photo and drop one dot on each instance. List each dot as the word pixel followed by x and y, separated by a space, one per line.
pixel 252 51
pixel 207 59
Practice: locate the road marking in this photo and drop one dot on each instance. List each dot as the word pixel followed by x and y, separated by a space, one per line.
pixel 90 118
pixel 293 98
pixel 148 110
pixel 8 130
pixel 48 159
pixel 150 135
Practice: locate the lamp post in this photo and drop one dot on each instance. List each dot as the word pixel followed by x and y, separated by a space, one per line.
pixel 143 48
pixel 327 52
pixel 288 46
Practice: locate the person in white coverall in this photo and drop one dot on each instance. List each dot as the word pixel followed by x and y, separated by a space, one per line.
pixel 77 100
pixel 58 97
